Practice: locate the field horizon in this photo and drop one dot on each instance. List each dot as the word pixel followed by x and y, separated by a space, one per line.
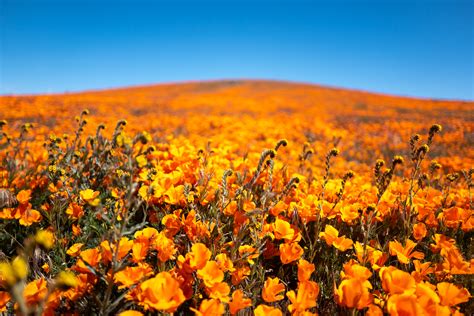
pixel 293 83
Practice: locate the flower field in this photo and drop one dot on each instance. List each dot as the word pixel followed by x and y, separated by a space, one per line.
pixel 236 198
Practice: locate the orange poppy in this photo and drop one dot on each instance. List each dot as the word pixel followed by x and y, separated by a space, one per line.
pixel 282 230
pixel 272 290
pixel 353 293
pixel 224 262
pixel 35 291
pixel 90 197
pixel 239 302
pixel 132 275
pixel 211 274
pixel 306 297
pixel 198 256
pixel 75 211
pixel 290 252
pixel 419 231
pixel 211 307
pixel 23 197
pixel 404 304
pixel 451 294
pixel 107 250
pixel 219 291
pixel 331 236
pixel 161 292
pixel 404 254
pixel 305 269
pixel 265 310
pixel 395 281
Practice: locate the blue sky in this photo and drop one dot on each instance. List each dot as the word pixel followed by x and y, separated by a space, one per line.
pixel 414 48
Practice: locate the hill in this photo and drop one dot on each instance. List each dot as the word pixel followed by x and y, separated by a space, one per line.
pixel 361 123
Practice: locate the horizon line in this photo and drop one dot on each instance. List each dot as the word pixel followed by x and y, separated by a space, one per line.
pixel 242 80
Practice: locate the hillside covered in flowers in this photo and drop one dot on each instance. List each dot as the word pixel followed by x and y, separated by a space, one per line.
pixel 236 198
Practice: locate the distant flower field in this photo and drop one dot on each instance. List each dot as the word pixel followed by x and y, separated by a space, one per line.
pixel 236 198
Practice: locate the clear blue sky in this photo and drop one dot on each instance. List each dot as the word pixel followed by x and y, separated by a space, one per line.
pixel 415 48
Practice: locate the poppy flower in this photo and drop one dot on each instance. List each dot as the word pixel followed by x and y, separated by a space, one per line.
pixel 404 254
pixel 419 231
pixel 451 294
pixel 172 224
pixel 35 291
pixel 75 249
pixel 422 270
pixel 174 195
pixel 108 251
pixel 239 302
pixel 404 304
pixel 66 279
pixel 27 215
pixel 272 290
pixel 130 313
pixel 139 250
pixel 395 281
pixel 165 247
pixel 224 262
pixel 305 269
pixel 265 310
pixel 331 236
pixel 240 274
pixel 248 252
pixel 161 293
pixel 89 257
pixel 11 273
pixel 305 298
pixel 4 299
pixel 211 274
pixel 374 310
pixel 219 291
pixel 209 307
pixel 290 252
pixel 198 256
pixel 282 230
pixel 376 257
pixel 75 211
pixel 353 293
pixel 90 197
pixel 130 276
pixel 23 197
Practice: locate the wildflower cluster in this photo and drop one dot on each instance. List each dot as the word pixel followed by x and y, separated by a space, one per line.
pixel 256 208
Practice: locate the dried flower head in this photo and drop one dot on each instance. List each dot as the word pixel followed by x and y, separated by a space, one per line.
pixel 435 128
pixel 423 149
pixel 281 142
pixel 397 160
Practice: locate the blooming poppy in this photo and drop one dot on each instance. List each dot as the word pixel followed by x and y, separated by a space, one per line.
pixel 161 292
pixel 451 294
pixel 272 290
pixel 265 310
pixel 290 252
pixel 305 298
pixel 239 302
pixel 211 307
pixel 211 274
pixel 198 256
pixel 305 269
pixel 404 254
